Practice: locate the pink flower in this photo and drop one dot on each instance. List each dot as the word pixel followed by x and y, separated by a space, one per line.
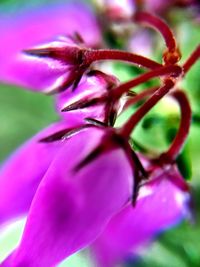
pixel 22 173
pixel 72 207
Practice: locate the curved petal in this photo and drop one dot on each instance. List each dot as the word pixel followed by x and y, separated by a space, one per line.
pixel 25 30
pixel 72 207
pixel 161 204
pixel 22 173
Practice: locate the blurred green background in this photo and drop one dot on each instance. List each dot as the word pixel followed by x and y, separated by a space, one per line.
pixel 23 113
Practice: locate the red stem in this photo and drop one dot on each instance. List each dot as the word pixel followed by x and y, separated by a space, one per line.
pixel 103 54
pixel 165 70
pixel 160 25
pixel 128 127
pixel 191 60
pixel 184 127
pixel 115 94
pixel 140 96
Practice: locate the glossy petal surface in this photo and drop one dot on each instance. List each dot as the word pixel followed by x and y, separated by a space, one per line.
pixel 160 205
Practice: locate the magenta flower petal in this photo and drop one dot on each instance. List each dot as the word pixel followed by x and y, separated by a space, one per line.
pixel 71 208
pixel 22 173
pixel 25 30
pixel 160 205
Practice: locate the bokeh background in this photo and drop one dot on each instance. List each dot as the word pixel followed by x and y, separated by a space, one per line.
pixel 23 113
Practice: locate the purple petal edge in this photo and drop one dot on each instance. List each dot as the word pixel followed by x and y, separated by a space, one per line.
pixel 21 174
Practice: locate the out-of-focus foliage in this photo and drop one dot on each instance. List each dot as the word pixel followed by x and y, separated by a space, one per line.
pixel 9 6
pixel 22 114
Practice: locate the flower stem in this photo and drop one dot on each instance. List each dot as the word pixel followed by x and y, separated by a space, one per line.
pixel 172 55
pixel 140 96
pixel 115 94
pixel 111 54
pixel 184 127
pixel 174 71
pixel 158 24
pixel 191 60
pixel 128 127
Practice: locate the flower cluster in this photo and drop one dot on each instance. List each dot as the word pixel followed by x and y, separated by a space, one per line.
pixel 80 182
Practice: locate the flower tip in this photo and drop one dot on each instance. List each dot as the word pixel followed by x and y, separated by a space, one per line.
pixel 95 122
pixel 70 108
pixel 35 52
pixel 43 52
pixel 80 104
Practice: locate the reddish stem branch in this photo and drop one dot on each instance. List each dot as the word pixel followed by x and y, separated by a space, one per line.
pixel 158 24
pixel 128 127
pixel 191 60
pixel 174 71
pixel 140 96
pixel 184 127
pixel 115 94
pixel 103 54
